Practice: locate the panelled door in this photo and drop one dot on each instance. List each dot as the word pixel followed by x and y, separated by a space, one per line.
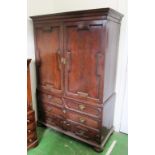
pixel 84 57
pixel 49 53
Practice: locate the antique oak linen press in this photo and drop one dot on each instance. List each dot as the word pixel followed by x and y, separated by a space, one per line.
pixel 76 57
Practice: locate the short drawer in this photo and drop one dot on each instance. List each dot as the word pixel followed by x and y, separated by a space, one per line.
pixel 82 107
pixel 50 110
pixel 30 117
pixel 82 119
pixel 48 98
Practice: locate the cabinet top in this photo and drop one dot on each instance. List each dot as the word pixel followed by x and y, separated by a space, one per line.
pixel 103 13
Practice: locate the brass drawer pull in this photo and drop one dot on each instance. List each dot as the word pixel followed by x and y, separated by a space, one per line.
pixel 82 120
pixel 82 107
pixel 55 101
pixel 64 111
pixel 64 122
pixel 80 133
pixel 48 86
pixel 29 131
pixel 49 109
pixel 68 124
pixel 49 96
pixel 82 94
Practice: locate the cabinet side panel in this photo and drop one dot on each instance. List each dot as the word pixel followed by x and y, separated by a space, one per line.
pixel 108 112
pixel 113 30
pixel 107 120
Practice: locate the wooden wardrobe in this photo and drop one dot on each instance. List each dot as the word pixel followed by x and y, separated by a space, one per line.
pixel 76 58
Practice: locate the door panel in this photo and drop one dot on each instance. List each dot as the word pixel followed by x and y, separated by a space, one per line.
pixel 49 47
pixel 84 44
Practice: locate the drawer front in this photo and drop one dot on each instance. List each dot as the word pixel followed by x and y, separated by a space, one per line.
pixel 31 138
pixel 30 117
pixel 82 119
pixel 50 110
pixel 86 133
pixel 30 131
pixel 82 107
pixel 52 120
pixel 31 128
pixel 57 121
pixel 48 98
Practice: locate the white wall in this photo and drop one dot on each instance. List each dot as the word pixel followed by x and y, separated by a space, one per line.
pixel 121 81
pixel 39 7
pixel 31 54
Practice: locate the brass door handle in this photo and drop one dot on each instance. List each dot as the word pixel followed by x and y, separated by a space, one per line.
pixel 59 58
pixel 63 61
